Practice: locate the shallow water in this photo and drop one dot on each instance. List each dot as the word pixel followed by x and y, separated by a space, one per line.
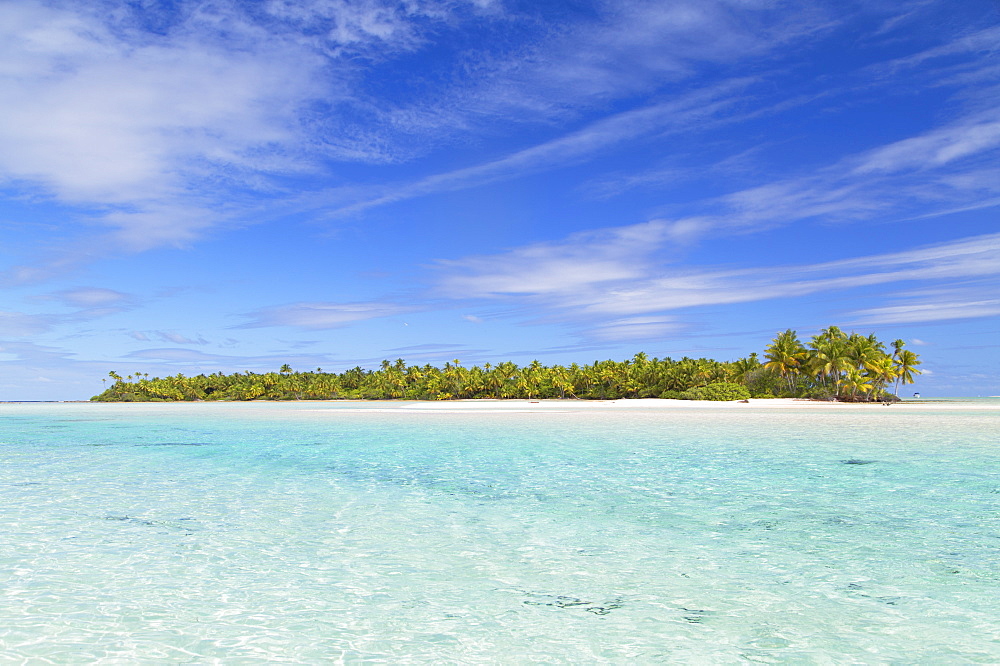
pixel 309 533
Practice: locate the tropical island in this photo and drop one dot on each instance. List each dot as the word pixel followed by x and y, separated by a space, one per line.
pixel 834 365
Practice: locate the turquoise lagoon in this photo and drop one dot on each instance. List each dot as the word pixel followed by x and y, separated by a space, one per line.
pixel 515 533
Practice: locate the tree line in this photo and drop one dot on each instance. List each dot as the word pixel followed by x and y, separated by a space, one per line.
pixel 833 365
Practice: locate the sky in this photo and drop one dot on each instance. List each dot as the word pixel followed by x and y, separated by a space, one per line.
pixel 204 186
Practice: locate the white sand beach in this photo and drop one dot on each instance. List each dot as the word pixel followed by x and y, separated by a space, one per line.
pixel 655 404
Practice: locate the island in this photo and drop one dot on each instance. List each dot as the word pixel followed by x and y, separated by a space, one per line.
pixel 833 365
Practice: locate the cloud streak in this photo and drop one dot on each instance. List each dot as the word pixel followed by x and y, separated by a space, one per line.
pixel 321 316
pixel 603 134
pixel 610 281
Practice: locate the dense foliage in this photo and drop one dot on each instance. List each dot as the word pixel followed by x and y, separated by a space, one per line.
pixel 833 366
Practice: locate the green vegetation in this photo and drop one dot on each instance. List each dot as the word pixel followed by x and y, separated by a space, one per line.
pixel 834 366
pixel 717 391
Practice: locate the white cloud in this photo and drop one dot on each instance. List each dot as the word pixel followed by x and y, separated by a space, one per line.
pixel 92 303
pixel 634 328
pixel 99 117
pixel 148 129
pixel 319 316
pixel 976 257
pixel 91 297
pixel 131 123
pixel 613 273
pixel 582 260
pixel 19 324
pixel 181 355
pixel 935 148
pixel 925 312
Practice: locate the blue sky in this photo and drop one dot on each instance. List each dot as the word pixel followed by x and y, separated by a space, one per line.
pixel 220 186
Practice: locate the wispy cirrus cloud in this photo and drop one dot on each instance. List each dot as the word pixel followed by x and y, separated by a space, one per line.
pixel 22 325
pixel 968 137
pixel 158 124
pixel 320 316
pixel 176 354
pixel 660 118
pixel 371 25
pixel 584 259
pixel 942 169
pixel 939 167
pixel 179 358
pixel 167 336
pixel 88 303
pixel 93 297
pixel 635 328
pixel 612 283
pixel 162 124
pixel 929 311
pixel 984 40
pixel 627 47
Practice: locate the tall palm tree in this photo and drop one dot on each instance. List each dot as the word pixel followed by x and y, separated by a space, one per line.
pixel 882 372
pixel 785 355
pixel 830 360
pixel 906 367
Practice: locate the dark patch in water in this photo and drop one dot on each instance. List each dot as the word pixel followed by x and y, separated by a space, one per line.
pixel 574 603
pixel 149 523
pixel 887 600
pixel 696 615
pixel 130 519
pixel 857 461
pixel 179 444
pixel 26 483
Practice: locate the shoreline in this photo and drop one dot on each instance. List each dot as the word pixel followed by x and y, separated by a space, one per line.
pixel 570 405
pixel 660 404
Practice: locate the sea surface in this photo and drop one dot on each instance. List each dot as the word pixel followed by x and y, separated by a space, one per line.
pixel 392 533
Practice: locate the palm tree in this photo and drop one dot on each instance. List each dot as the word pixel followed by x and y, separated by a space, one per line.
pixel 906 367
pixel 882 372
pixel 785 355
pixel 829 359
pixel 857 381
pixel 744 366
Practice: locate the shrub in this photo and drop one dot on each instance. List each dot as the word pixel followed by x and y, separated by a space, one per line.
pixel 821 393
pixel 717 391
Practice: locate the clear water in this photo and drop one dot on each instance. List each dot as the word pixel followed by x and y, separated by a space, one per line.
pixel 325 533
